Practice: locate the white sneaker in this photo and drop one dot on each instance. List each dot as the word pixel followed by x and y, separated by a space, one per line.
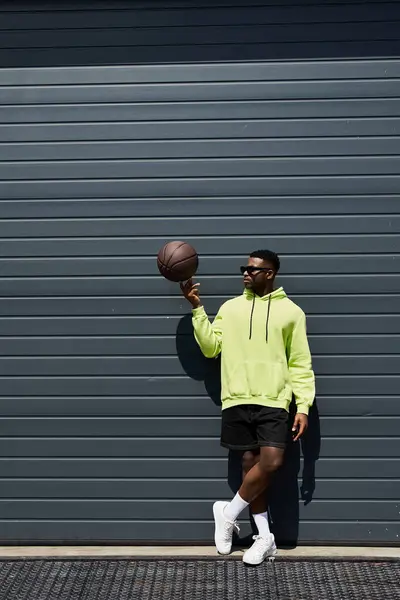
pixel 223 528
pixel 261 549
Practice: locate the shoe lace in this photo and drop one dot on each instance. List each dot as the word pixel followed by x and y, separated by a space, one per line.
pixel 259 545
pixel 229 528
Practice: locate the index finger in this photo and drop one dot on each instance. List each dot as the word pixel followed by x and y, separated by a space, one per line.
pixel 300 432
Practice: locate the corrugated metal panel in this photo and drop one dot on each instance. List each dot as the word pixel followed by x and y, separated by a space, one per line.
pixel 106 420
pixel 160 31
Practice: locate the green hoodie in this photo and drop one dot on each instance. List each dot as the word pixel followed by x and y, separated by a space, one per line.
pixel 265 357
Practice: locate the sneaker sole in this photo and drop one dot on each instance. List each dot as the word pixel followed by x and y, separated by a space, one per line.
pixel 270 557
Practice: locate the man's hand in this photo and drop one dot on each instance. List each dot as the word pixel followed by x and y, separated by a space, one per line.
pixel 299 426
pixel 191 292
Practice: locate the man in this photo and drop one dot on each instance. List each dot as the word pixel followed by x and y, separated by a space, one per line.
pixel 265 359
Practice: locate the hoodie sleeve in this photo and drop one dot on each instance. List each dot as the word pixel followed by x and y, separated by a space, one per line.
pixel 300 367
pixel 208 336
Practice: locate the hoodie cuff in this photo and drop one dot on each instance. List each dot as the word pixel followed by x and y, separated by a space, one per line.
pixel 303 409
pixel 197 312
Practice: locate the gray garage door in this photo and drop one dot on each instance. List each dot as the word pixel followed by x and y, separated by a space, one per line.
pixel 109 418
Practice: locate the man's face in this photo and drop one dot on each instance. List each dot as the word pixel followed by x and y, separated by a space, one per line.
pixel 256 277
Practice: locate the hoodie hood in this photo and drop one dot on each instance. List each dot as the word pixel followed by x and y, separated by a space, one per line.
pixel 277 294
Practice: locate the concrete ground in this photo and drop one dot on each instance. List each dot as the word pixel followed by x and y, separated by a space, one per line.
pixel 195 552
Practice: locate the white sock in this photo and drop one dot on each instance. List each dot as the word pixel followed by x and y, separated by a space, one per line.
pixel 235 507
pixel 261 521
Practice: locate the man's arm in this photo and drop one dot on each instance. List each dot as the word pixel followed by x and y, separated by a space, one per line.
pixel 300 366
pixel 207 335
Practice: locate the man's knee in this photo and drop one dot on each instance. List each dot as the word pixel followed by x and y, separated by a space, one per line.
pixel 249 459
pixel 271 460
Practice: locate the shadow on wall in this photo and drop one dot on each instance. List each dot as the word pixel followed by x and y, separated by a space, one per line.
pixel 193 362
pixel 161 31
pixel 284 493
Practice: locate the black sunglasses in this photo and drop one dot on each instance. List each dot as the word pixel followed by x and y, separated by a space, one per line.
pixel 252 270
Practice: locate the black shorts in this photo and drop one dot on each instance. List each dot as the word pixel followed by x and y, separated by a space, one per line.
pixel 249 426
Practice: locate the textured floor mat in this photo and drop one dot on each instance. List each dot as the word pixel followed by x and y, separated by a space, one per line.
pixel 197 580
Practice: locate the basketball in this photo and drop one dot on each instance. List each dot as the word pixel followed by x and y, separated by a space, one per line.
pixel 177 261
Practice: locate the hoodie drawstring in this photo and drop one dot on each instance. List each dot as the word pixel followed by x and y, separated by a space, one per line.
pixel 266 326
pixel 251 317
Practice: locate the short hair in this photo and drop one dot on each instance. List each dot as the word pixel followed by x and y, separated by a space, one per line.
pixel 268 256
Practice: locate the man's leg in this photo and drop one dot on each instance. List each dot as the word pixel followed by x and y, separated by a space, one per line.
pixel 262 432
pixel 249 459
pixel 238 435
pixel 259 476
pixel 258 471
pixel 259 506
